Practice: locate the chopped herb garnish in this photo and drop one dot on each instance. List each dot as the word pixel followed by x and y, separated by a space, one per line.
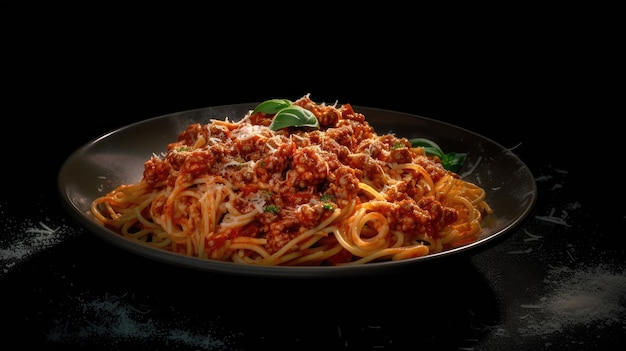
pixel 397 146
pixel 327 197
pixel 271 209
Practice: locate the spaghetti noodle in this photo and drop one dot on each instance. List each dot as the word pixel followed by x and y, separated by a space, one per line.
pixel 337 194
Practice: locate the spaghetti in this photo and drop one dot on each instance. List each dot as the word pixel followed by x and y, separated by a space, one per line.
pixel 336 194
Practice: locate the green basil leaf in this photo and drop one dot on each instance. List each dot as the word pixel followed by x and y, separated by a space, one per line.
pixel 451 161
pixel 272 106
pixel 294 116
pixel 429 146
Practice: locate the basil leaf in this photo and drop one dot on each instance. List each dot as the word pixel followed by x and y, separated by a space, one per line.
pixel 272 106
pixel 429 146
pixel 294 116
pixel 451 161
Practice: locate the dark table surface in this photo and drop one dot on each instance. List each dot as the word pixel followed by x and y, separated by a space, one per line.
pixel 556 281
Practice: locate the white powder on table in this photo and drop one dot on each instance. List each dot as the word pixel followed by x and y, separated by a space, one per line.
pixel 589 296
pixel 119 321
pixel 108 320
pixel 594 298
pixel 22 239
pixel 579 298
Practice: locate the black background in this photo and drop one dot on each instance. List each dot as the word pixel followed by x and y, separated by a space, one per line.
pixel 522 81
pixel 513 90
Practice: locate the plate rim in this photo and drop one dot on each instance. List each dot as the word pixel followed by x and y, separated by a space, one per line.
pixel 231 268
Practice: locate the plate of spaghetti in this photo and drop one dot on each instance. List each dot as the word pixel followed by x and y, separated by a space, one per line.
pixel 295 189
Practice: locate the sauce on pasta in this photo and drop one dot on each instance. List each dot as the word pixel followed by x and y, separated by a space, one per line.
pixel 338 194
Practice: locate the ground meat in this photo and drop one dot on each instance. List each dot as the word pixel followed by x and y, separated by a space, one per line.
pixel 434 169
pixel 156 171
pixel 190 135
pixel 360 130
pixel 408 217
pixel 198 162
pixel 400 155
pixel 310 216
pixel 259 118
pixel 327 115
pixel 275 162
pixel 440 214
pixel 290 170
pixel 374 148
pixel 344 184
pixel 336 138
pixel 309 166
pixel 280 233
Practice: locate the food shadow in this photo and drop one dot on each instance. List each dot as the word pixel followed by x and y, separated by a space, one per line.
pixel 439 303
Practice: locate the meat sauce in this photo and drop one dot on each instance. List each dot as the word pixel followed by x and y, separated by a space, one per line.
pixel 302 173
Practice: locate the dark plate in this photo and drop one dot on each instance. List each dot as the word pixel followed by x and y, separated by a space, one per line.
pixel 118 157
